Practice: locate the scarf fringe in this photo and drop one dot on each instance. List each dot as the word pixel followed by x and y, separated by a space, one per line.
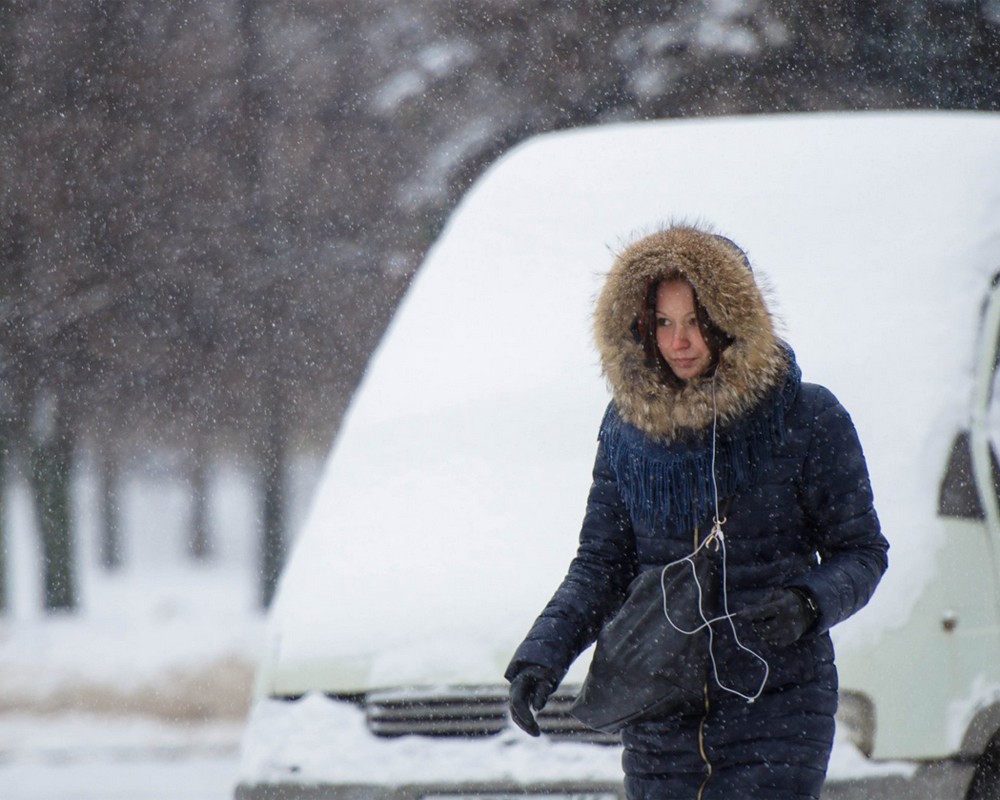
pixel 668 485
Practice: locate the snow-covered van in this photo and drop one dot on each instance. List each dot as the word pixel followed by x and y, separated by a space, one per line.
pixel 449 507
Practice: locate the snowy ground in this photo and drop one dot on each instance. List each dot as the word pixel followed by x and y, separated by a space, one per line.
pixel 79 756
pixel 143 692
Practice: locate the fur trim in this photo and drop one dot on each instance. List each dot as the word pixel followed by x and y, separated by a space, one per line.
pixel 754 365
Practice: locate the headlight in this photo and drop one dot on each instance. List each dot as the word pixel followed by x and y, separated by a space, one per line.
pixel 856 721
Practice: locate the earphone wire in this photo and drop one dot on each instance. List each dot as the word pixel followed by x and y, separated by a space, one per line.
pixel 718 538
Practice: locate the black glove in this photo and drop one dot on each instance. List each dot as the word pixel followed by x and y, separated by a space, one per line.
pixel 530 689
pixel 783 616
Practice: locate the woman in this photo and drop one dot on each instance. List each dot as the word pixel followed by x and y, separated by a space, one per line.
pixel 709 420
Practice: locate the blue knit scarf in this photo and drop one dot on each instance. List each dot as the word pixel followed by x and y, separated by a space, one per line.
pixel 667 486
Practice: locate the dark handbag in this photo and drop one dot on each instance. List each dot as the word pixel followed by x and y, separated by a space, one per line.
pixel 647 662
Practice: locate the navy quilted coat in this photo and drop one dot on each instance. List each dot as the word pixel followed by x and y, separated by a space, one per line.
pixel 798 510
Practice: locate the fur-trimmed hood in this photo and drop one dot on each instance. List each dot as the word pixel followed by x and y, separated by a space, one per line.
pixel 754 365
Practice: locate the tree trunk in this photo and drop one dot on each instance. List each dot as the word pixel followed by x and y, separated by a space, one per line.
pixel 200 537
pixel 257 101
pixel 273 512
pixel 110 510
pixel 51 462
pixel 4 448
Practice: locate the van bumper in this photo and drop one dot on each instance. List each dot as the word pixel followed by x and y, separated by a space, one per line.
pixel 931 781
pixel 491 791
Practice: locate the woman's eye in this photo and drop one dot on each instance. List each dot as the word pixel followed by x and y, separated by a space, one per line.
pixel 661 322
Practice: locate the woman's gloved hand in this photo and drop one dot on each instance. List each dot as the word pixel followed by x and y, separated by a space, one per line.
pixel 783 616
pixel 530 689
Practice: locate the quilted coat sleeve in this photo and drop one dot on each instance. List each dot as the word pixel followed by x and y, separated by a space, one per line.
pixel 594 586
pixel 838 500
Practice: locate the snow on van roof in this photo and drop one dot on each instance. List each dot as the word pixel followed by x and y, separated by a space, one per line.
pixel 450 505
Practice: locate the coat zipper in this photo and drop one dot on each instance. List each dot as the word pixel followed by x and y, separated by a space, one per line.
pixel 701 725
pixel 701 746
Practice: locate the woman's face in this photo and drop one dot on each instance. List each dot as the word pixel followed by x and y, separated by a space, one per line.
pixel 678 335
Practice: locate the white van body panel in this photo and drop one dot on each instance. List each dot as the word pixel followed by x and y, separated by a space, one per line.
pixel 449 507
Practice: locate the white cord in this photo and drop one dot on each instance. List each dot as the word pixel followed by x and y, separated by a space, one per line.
pixel 719 539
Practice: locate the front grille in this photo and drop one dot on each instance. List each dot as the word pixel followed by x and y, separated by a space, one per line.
pixel 452 712
pixel 467 712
